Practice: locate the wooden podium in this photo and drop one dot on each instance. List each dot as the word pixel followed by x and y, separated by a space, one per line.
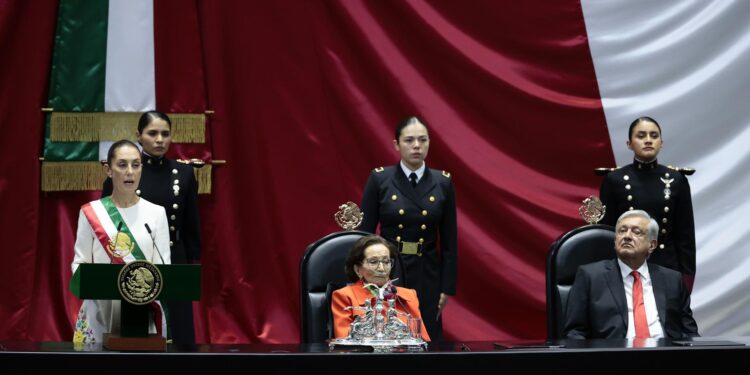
pixel 99 281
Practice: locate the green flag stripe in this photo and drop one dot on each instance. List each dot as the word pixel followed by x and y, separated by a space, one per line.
pixel 78 71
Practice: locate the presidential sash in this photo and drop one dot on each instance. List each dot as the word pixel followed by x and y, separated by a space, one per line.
pixel 104 218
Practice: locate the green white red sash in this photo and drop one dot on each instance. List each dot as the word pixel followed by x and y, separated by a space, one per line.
pixel 104 218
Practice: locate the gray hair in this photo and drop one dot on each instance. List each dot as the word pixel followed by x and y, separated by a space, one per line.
pixel 653 226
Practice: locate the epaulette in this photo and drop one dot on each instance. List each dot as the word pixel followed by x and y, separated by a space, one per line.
pixel 604 171
pixel 685 171
pixel 196 163
pixel 378 169
pixel 447 174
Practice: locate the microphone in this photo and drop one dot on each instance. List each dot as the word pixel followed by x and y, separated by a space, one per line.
pixel 153 241
pixel 395 296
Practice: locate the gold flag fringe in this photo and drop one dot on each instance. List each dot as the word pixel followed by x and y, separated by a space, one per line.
pixel 90 175
pixel 203 175
pixel 188 127
pixel 72 175
pixel 113 126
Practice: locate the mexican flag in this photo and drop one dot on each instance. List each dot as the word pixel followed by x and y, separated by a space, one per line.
pixel 685 64
pixel 104 74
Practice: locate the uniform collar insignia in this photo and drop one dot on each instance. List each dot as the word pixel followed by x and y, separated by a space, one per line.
pixel 148 159
pixel 645 165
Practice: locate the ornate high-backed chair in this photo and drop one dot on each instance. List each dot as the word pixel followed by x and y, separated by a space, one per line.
pixel 582 245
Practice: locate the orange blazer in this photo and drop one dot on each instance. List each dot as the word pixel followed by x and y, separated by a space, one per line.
pixel 356 294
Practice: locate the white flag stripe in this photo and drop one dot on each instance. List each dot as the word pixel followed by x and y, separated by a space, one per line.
pixel 684 63
pixel 130 75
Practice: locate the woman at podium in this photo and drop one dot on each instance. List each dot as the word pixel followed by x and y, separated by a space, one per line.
pixel 172 185
pixel 119 228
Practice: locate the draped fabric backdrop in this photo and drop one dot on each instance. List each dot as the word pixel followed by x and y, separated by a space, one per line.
pixel 522 99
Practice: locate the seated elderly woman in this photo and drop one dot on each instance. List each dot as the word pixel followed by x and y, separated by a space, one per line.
pixel 370 262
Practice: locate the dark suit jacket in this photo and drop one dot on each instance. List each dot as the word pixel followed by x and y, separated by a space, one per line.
pixel 597 307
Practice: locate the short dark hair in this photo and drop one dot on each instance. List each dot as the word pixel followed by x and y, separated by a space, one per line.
pixel 148 117
pixel 409 121
pixel 357 254
pixel 119 144
pixel 638 121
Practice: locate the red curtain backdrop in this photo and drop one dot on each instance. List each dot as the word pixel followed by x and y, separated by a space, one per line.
pixel 306 96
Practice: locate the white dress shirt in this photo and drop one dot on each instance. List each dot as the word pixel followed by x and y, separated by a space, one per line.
pixel 419 171
pixel 652 314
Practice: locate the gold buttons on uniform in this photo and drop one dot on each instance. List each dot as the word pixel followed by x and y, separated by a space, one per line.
pixel 394 197
pixel 432 198
pixel 630 197
pixel 424 212
pixel 423 227
pixel 421 240
pixel 401 226
pixel 175 206
pixel 401 211
pixel 398 238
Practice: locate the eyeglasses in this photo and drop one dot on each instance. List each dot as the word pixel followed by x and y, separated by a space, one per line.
pixel 372 262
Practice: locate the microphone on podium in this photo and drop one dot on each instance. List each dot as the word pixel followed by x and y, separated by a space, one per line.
pixel 153 241
pixel 395 296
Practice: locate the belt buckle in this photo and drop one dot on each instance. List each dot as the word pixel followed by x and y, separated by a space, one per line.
pixel 410 248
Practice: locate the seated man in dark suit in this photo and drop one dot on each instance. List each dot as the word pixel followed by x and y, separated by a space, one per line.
pixel 627 297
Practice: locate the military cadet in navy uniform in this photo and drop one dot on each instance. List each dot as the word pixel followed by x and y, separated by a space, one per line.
pixel 173 186
pixel 662 191
pixel 416 209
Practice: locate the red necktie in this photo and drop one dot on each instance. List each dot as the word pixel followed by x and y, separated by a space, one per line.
pixel 639 309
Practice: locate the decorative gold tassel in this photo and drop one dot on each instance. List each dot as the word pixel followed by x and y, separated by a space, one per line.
pixel 89 175
pixel 114 126
pixel 72 175
pixel 73 127
pixel 203 175
pixel 188 127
